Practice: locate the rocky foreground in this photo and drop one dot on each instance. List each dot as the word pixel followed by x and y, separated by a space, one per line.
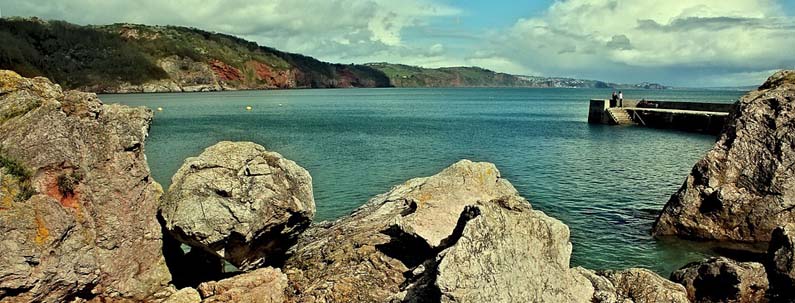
pixel 83 221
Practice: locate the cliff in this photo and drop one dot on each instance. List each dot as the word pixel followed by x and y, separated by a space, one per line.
pixel 77 202
pixel 745 185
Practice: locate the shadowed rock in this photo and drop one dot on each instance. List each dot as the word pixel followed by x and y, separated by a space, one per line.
pixel 781 263
pixel 745 186
pixel 77 203
pixel 240 202
pixel 723 280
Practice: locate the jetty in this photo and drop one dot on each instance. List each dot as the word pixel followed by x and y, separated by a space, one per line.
pixel 703 117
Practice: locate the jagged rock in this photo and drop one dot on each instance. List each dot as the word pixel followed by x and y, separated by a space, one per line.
pixel 495 249
pixel 745 186
pixel 78 205
pixel 185 295
pixel 723 280
pixel 508 252
pixel 363 257
pixel 241 202
pixel 781 262
pixel 633 285
pixel 264 285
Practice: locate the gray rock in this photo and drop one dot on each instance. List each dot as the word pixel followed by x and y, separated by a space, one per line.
pixel 496 249
pixel 508 252
pixel 77 202
pixel 781 262
pixel 745 186
pixel 723 280
pixel 264 285
pixel 240 202
pixel 365 256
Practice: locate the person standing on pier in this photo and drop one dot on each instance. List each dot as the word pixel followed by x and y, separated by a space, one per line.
pixel 614 99
pixel 620 99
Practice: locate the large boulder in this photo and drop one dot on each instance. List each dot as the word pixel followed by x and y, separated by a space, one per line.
pixel 723 280
pixel 506 251
pixel 745 186
pixel 781 262
pixel 462 235
pixel 77 202
pixel 240 202
pixel 367 255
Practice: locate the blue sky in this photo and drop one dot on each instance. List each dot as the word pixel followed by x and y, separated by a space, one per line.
pixel 681 43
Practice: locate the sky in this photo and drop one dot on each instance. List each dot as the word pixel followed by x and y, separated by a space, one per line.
pixel 686 43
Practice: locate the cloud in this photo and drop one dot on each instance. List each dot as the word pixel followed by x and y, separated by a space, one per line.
pixel 616 37
pixel 694 42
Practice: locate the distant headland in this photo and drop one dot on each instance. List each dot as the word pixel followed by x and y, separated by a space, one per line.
pixel 131 58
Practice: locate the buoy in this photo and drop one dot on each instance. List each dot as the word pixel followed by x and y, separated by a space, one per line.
pixel 280 104
pixel 160 109
pixel 248 107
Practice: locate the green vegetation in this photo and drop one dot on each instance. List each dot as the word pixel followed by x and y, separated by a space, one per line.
pixel 68 182
pixel 93 57
pixel 412 76
pixel 23 176
pixel 71 55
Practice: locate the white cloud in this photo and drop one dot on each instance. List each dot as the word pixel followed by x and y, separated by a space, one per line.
pixel 690 42
pixel 615 36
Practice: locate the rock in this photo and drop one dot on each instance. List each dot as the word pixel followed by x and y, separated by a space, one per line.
pixel 185 295
pixel 781 262
pixel 508 251
pixel 264 285
pixel 642 285
pixel 723 280
pixel 363 257
pixel 77 202
pixel 240 202
pixel 745 186
pixel 462 235
pixel 636 285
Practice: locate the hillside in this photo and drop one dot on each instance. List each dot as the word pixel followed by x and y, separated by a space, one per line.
pixel 412 76
pixel 140 58
pixel 122 58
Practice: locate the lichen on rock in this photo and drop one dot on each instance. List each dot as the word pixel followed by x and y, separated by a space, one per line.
pixel 104 240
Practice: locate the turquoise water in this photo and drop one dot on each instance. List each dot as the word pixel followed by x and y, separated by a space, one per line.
pixel 607 183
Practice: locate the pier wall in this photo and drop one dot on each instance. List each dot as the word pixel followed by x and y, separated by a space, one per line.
pixel 700 117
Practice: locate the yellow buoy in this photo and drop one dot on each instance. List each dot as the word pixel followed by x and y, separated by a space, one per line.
pixel 160 109
pixel 248 107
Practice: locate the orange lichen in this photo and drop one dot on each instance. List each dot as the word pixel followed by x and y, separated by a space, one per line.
pixel 67 200
pixel 42 233
pixel 424 197
pixel 8 191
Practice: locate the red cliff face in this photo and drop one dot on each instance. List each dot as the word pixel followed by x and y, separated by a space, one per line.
pixel 273 78
pixel 225 71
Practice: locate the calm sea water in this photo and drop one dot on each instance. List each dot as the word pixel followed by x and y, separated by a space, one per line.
pixel 607 183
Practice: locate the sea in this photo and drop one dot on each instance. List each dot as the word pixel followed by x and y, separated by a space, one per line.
pixel 607 183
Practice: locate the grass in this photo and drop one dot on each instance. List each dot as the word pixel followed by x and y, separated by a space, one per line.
pixel 23 176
